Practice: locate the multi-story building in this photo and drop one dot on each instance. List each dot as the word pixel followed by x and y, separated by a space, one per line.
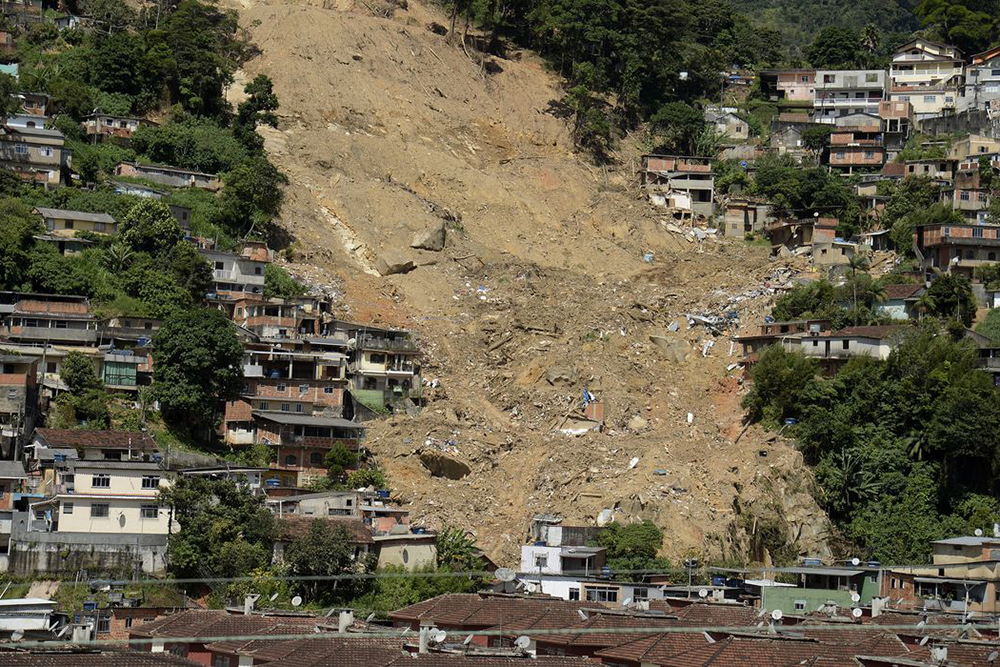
pixel 967 194
pixel 794 85
pixel 237 276
pixel 897 122
pixel 18 401
pixel 859 147
pixel 35 153
pixel 690 176
pixel 66 321
pixel 928 75
pixel 383 365
pixel 982 80
pixel 280 318
pixel 844 92
pixel 745 215
pixel 956 248
pixel 833 349
pixel 301 442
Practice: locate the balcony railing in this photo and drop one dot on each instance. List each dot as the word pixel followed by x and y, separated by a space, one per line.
pixel 365 342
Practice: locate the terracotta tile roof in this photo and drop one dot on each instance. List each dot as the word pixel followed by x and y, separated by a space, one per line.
pixel 216 623
pixel 656 649
pixel 359 651
pixel 61 438
pixel 717 614
pixel 893 169
pixel 293 527
pixel 52 307
pixel 82 658
pixel 550 618
pixel 902 291
pixel 611 622
pixel 454 660
pixel 480 611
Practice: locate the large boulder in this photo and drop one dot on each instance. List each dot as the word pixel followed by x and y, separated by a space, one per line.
pixel 675 348
pixel 389 265
pixel 432 238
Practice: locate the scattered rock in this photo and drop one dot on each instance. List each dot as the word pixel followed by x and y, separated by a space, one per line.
pixel 437 29
pixel 676 349
pixel 432 238
pixel 637 423
pixel 387 266
pixel 561 376
pixel 442 465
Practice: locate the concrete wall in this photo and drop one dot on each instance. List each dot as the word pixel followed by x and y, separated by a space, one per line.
pixel 124 516
pixel 409 554
pixel 32 552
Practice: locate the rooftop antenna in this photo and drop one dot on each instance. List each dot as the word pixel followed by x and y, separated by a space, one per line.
pixel 776 615
pixel 467 640
pixel 372 615
pixel 709 638
pixel 993 657
pixel 439 636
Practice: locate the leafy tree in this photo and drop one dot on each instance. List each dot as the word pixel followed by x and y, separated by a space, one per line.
pixel 990 326
pixel 9 103
pixel 225 530
pixel 324 551
pixel 816 138
pixel 835 48
pixel 259 107
pixel 365 477
pixel 781 382
pixel 16 241
pixel 456 550
pixel 50 272
pixel 953 297
pixel 966 24
pixel 197 362
pixel 279 283
pixel 632 548
pixel 591 126
pixel 191 143
pixel 676 127
pixel 396 588
pixel 190 271
pixel 78 373
pixel 251 197
pixel 339 459
pixel 148 226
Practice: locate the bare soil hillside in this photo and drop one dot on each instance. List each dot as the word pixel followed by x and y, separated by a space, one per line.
pixel 541 292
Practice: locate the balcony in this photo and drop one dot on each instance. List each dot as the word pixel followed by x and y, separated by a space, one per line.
pixel 53 334
pixel 365 342
pixel 253 371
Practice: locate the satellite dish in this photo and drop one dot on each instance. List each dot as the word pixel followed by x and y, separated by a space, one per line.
pixel 370 617
pixel 922 623
pixel 531 588
pixel 522 642
pixel 855 597
pixel 776 615
pixel 273 597
pixel 17 635
pixel 64 630
pixel 297 600
pixel 582 613
pixel 626 602
pixel 855 562
pixel 979 532
pixel 857 613
pixel 439 636
pixel 467 640
pixel 924 640
pixel 993 656
pixel 505 574
pixel 708 638
pixel 703 593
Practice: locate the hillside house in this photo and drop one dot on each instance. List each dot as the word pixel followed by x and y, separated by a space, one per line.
pixel 119 127
pixel 928 75
pixel 63 223
pixel 325 503
pixel 291 528
pixel 843 92
pixel 967 194
pixel 174 177
pixel 137 190
pixel 792 85
pixel 7 43
pixel 235 276
pixel 690 175
pixel 22 120
pixel 67 321
pixel 18 401
pixel 383 365
pixel 279 318
pixel 938 169
pixel 971 146
pixel 301 441
pixel 958 248
pixel 982 81
pixel 900 301
pixel 834 349
pixel 827 587
pixel 36 154
pixel 857 147
pixel 727 123
pixel 897 123
pixel 746 216
pixel 772 333
pixel 35 104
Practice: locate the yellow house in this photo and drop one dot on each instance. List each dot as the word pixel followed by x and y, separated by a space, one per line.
pixel 107 497
pixel 67 223
pixel 408 550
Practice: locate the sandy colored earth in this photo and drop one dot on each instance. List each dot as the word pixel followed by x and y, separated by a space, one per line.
pixel 541 292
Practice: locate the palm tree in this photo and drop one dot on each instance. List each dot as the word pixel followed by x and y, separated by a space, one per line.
pixel 856 261
pixel 870 40
pixel 924 304
pixel 119 256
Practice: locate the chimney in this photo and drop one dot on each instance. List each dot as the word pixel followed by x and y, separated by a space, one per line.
pixel 248 603
pixel 424 631
pixel 939 654
pixel 996 530
pixel 345 620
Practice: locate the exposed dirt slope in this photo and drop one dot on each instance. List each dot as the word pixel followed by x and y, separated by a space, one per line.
pixel 387 130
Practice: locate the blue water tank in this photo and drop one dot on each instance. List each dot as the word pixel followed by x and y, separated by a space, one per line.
pixel 273 482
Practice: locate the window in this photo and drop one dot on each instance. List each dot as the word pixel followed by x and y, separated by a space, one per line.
pixel 45 151
pixel 815 343
pixel 20 149
pixel 969 254
pixel 264 405
pixel 220 661
pixel 871 77
pixel 541 560
pixel 69 224
pixel 303 388
pixel 640 594
pixel 904 98
pixel 829 78
pixel 804 79
pixel 298 407
pixel 574 594
pixel 328 389
pixel 104 625
pixel 930 99
pixel 101 482
pixel 869 155
pixel 290 460
pixel 995 72
pixel 841 155
pixel 257 270
pixel 281 387
pixel 99 510
pixel 128 622
pixel 98 226
pixel 602 594
pixel 285 407
pixel 847 344
pixel 150 481
pixel 977 233
pixel 800 605
pixel 316 458
pixel 50 367
pixel 150 511
pixel 219 266
pixel 964 196
pixel 179 650
pixel 67 508
pixel 992 256
pixel 949 98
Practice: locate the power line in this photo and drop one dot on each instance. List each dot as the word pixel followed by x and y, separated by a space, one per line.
pixel 765 632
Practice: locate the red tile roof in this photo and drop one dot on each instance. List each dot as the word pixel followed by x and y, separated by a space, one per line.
pixel 453 660
pixel 481 610
pixel 293 527
pixel 215 623
pixel 63 438
pixel 82 658
pixel 611 622
pixel 902 291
